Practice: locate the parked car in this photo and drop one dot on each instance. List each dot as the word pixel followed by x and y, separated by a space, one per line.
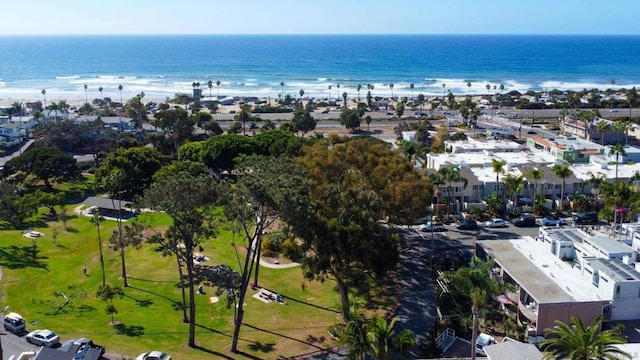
pixel 433 226
pixel 552 221
pixel 14 323
pixel 154 355
pixel 466 225
pixel 465 255
pixel 524 220
pixel 483 340
pixel 532 132
pixel 586 218
pixel 46 338
pixel 614 110
pixel 496 223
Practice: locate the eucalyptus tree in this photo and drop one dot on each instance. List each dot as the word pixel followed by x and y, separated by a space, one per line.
pixel 188 198
pixel 356 183
pixel 267 189
pixel 576 341
pixel 132 236
pixel 303 122
pixel 563 172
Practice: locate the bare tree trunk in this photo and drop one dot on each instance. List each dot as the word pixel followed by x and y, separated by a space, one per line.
pixel 124 267
pixel 192 300
pixel 344 295
pixel 244 284
pixel 185 319
pixel 257 253
pixel 474 335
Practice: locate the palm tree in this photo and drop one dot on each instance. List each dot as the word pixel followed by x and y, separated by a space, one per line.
pixel 596 180
pixel 437 180
pixel 563 172
pixel 86 95
pixel 344 99
pixel 498 168
pixel 282 88
pixel 358 88
pixel 602 127
pixel 218 89
pixel 100 90
pixel 329 93
pixel 95 219
pixel 535 174
pixel 210 85
pixel 421 101
pixel 443 92
pixel 383 340
pixel 120 89
pixel 577 342
pixel 469 87
pixel 391 87
pixel 623 126
pixel 353 334
pixel 411 87
pixel 618 151
pixel 301 94
pixel 514 185
pixel 488 89
pixel 451 175
pixel 44 96
pixel 54 107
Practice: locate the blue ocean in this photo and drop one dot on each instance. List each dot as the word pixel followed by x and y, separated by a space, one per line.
pixel 320 65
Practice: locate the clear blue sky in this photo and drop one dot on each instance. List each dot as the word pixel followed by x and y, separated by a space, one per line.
pixel 320 17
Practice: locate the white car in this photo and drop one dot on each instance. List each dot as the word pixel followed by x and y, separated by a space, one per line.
pixel 46 338
pixel 154 355
pixel 433 226
pixel 552 221
pixel 495 223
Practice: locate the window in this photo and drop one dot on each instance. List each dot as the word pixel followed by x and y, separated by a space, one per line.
pixel 617 293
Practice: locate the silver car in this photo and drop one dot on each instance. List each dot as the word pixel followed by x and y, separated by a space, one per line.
pixel 46 338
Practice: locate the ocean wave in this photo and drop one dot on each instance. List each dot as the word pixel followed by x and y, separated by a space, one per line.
pixel 67 77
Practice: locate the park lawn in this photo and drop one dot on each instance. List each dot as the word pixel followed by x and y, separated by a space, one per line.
pixel 37 271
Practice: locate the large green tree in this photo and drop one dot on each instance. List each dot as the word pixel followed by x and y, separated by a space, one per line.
pixel 136 166
pixel 357 185
pixel 15 207
pixel 303 122
pixel 46 164
pixel 576 342
pixel 176 124
pixel 188 200
pixel 267 188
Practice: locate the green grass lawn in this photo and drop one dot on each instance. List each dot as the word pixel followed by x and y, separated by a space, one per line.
pixel 37 271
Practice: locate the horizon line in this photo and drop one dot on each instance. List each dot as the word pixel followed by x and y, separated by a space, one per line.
pixel 321 34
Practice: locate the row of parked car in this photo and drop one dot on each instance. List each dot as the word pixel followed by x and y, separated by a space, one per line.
pixel 582 218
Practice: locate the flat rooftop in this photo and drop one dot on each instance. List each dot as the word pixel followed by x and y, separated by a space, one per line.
pixel 545 277
pixel 483 160
pixel 601 246
pixel 472 145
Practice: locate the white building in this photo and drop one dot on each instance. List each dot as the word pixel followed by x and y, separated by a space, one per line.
pixel 566 272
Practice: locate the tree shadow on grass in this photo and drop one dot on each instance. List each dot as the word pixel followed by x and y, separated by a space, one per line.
pixel 141 302
pixel 20 257
pixel 263 348
pixel 177 305
pixel 305 342
pixel 215 353
pixel 288 298
pixel 130 330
